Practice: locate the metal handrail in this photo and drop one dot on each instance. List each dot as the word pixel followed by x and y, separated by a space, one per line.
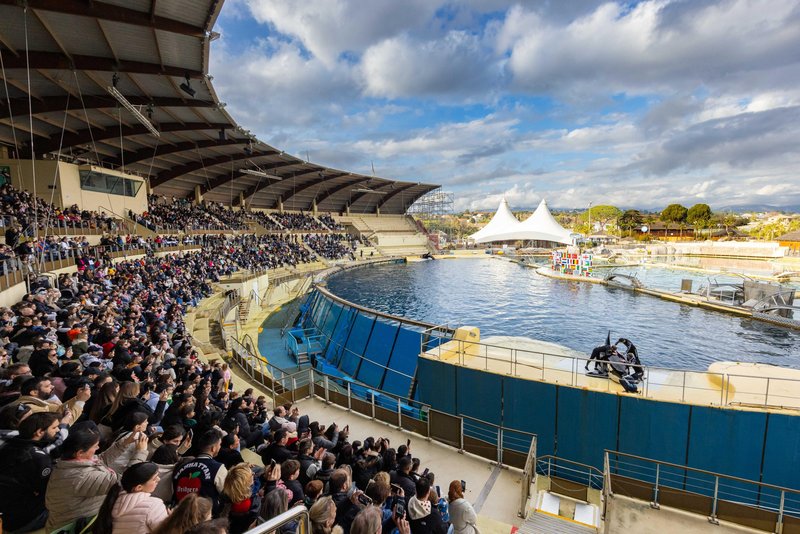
pixel 294 513
pixel 702 471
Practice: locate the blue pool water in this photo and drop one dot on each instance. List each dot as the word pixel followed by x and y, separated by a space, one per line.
pixel 502 298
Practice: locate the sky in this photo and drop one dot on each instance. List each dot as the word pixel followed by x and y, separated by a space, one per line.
pixel 635 104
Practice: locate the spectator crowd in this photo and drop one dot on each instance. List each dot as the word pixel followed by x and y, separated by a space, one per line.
pixel 21 212
pixel 109 417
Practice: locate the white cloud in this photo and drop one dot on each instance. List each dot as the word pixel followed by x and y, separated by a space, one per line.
pixel 457 63
pixel 656 45
pixel 328 28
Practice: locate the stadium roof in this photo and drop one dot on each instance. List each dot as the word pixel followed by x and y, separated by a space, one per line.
pixel 75 48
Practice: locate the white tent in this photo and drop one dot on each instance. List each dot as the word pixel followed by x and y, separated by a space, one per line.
pixel 540 226
pixel 503 222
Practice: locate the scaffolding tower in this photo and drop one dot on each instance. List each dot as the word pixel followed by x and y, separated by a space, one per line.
pixel 432 205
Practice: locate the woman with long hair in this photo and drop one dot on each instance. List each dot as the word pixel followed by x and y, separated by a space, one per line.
pixel 191 510
pixel 135 423
pixel 129 508
pixel 166 457
pixel 462 514
pixel 80 480
pixel 275 503
pixel 102 402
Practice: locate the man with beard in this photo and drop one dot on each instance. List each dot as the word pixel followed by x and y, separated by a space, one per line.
pixel 24 471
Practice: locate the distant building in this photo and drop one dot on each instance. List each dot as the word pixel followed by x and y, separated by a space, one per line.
pixel 669 231
pixel 792 241
pixel 602 238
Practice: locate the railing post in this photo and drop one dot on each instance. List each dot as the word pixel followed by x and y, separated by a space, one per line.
pixel 372 398
pixel 548 466
pixel 349 397
pixel 779 524
pixel 461 434
pixel 766 394
pixel 713 517
pixel 655 504
pixel 399 414
pixel 294 387
pixel 325 385
pixel 311 385
pixel 683 388
pixel 500 445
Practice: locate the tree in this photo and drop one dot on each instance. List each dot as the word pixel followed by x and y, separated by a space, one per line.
pixel 677 214
pixel 602 214
pixel 674 213
pixel 699 215
pixel 630 219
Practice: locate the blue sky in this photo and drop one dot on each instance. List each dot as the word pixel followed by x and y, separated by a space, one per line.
pixel 635 104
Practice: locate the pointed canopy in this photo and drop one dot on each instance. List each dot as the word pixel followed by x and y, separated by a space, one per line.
pixel 540 226
pixel 503 222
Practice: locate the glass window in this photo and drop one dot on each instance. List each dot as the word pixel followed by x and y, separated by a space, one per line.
pixel 108 183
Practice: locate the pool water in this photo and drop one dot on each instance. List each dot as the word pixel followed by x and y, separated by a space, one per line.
pixel 503 298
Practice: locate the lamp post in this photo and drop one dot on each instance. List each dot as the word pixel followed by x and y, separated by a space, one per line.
pixel 590 219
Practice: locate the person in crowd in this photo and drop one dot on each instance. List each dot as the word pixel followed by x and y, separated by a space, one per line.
pixel 80 480
pixel 277 450
pixel 242 505
pixel 25 467
pixel 229 453
pixel 402 477
pixel 290 470
pixel 423 515
pixel 322 515
pixel 275 503
pixel 462 514
pixel 129 507
pixel 193 510
pixel 166 457
pixel 202 475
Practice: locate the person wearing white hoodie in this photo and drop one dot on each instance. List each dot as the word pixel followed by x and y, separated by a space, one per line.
pixel 129 508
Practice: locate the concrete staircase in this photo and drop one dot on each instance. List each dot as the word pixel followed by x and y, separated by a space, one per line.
pixel 541 523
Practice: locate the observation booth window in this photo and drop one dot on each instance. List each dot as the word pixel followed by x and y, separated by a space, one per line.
pixel 92 180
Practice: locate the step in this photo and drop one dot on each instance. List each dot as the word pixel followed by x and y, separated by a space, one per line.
pixel 544 523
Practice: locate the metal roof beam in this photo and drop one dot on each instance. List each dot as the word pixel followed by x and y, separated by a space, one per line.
pixel 386 198
pixel 59 61
pixel 115 13
pixel 362 195
pixel 292 192
pixel 223 179
pixel 50 104
pixel 189 168
pixel 341 187
pixel 135 156
pixel 50 144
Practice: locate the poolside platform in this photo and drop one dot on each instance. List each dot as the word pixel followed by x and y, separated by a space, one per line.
pixel 730 384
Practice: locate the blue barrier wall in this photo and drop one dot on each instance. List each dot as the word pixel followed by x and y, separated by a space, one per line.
pixel 578 424
pixel 378 351
pixel 571 423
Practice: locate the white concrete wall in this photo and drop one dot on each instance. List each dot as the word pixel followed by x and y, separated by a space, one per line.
pixel 401 240
pixel 61 183
pixel 758 249
pixel 13 294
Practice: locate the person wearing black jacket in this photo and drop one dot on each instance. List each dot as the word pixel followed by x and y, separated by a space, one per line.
pixel 290 470
pixel 277 449
pixel 402 477
pixel 24 471
pixel 229 454
pixel 250 438
pixel 117 419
